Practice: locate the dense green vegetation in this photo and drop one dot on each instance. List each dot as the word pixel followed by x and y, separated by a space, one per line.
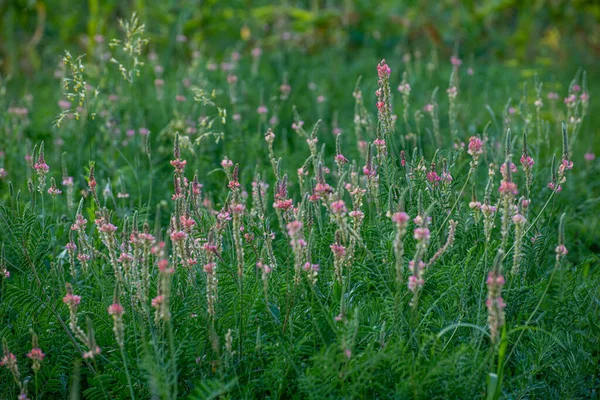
pixel 189 209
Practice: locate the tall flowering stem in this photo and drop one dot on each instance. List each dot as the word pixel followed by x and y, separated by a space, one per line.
pixel 384 100
pixel 41 170
pixel 362 119
pixel 92 185
pixel 446 185
pixel 404 88
pixel 520 222
pixel 553 184
pixel 83 246
pixel 416 265
pixel 508 191
pixel 36 355
pixel 339 158
pixel 67 182
pixel 9 361
pixel 495 303
pixel 356 193
pixel 371 178
pixel 538 103
pixel 298 245
pixel 561 249
pixel 452 92
pixel 259 190
pixel 265 271
pixel 527 163
pixel 270 138
pixel 577 105
pixel 449 242
pixel 283 205
pixel 72 301
pixel 433 110
pixel 210 268
pixel 339 259
pixel 177 232
pixel 116 311
pixel 237 211
pixel 71 247
pixel 338 212
pixel 475 150
pixel 566 163
pixel 400 219
pixel 142 243
pixel 487 208
pixel 163 293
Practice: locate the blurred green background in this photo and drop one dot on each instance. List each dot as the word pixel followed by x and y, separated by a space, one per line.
pixel 34 32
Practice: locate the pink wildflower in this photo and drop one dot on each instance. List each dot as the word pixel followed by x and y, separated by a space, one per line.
pixel 341 159
pixel 455 61
pixel 561 250
pixel 400 218
pixel 36 354
pixel 422 234
pixel 508 187
pixel 414 283
pixel 116 310
pixel 157 301
pixel 338 250
pixel 339 207
pixel 475 146
pixel 526 161
pixel 178 236
pixel 383 70
pixel 209 268
pixel 71 299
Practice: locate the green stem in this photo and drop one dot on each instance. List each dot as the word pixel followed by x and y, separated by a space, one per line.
pixel 455 202
pixel 533 223
pixel 173 359
pixel 556 265
pixel 127 373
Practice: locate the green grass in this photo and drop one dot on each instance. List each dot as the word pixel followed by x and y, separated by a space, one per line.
pixel 284 341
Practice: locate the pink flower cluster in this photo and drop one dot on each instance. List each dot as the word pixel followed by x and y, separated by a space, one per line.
pixel 71 299
pixel 36 354
pixel 422 234
pixel 383 70
pixel 527 161
pixel 400 218
pixel 116 310
pixel 507 187
pixel 339 207
pixel 338 250
pixel 475 146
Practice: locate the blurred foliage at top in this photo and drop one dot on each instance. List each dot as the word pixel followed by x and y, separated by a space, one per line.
pixel 33 33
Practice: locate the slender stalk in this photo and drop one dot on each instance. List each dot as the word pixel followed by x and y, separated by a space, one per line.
pixel 455 203
pixel 131 392
pixel 533 223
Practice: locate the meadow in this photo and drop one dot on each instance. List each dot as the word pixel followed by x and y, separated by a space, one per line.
pixel 303 207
